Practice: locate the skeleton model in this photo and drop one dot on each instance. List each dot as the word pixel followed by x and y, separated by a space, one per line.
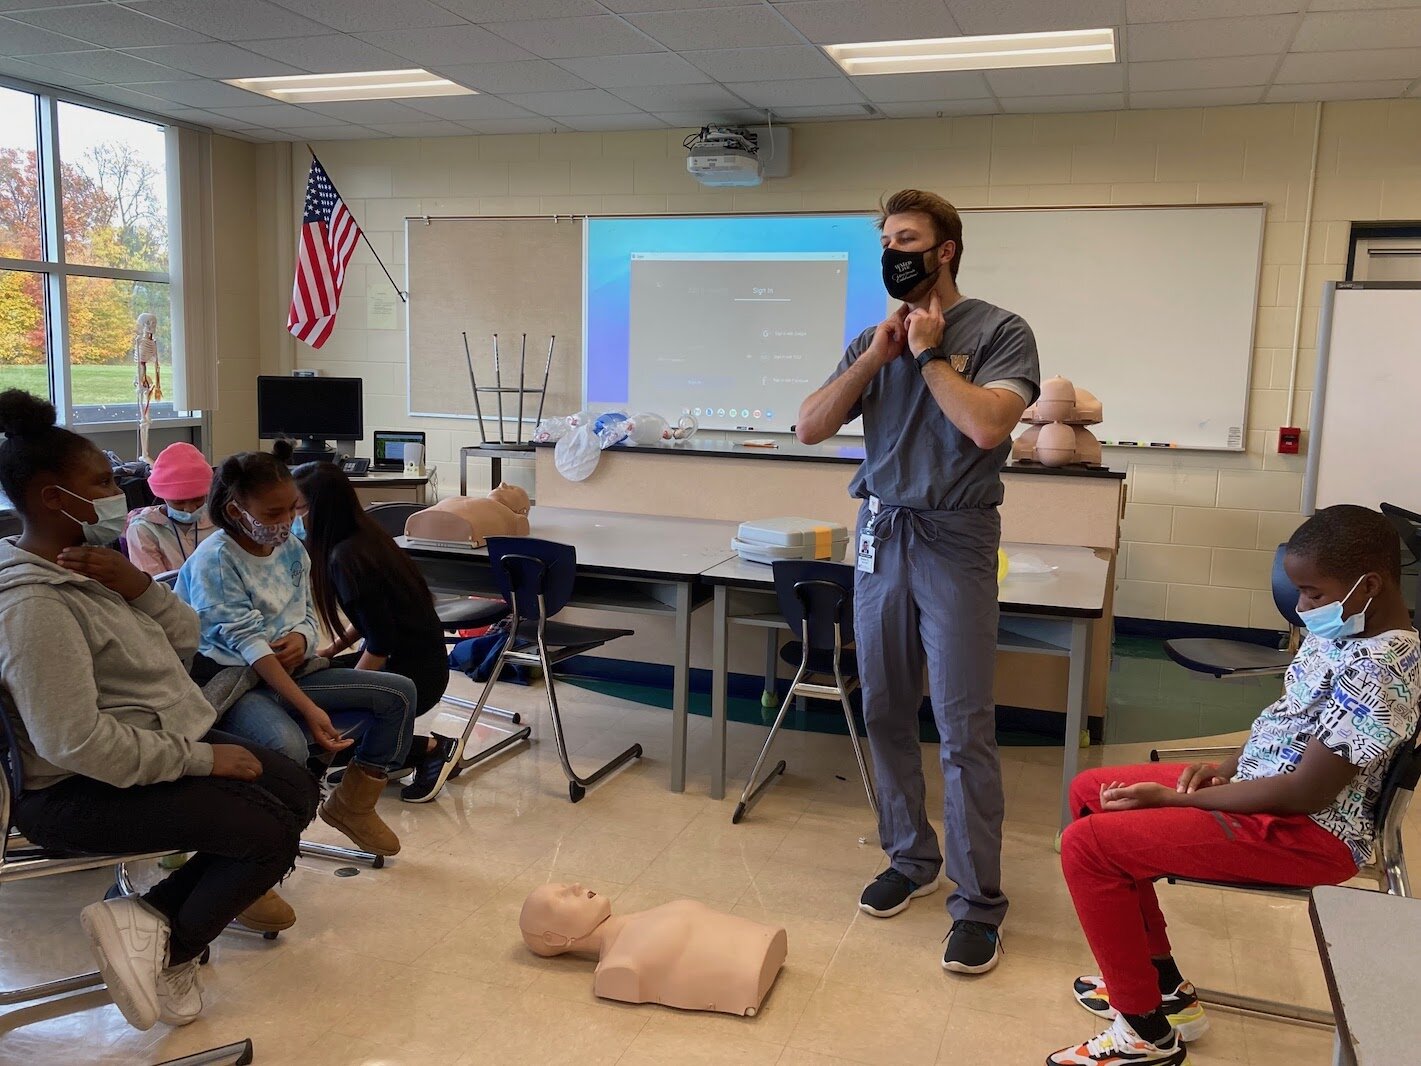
pixel 146 388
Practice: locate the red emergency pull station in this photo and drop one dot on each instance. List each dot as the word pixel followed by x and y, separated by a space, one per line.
pixel 1290 439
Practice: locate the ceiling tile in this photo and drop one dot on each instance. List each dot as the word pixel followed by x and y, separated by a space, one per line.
pixel 213 59
pixel 577 102
pixel 432 46
pixel 425 128
pixel 1032 16
pixel 222 122
pixel 526 76
pixel 1209 38
pixel 531 124
pixel 825 113
pixel 679 97
pixel 359 16
pixel 28 5
pixel 807 92
pixel 233 20
pixel 1340 31
pixel 1169 75
pixel 19 68
pixel 1340 90
pixel 108 26
pixel 1197 97
pixel 269 115
pixel 1179 10
pixel 18 39
pixel 650 68
pixel 198 92
pixel 568 38
pixel 734 116
pixel 616 123
pixel 333 53
pixel 846 21
pixel 949 85
pixel 763 64
pixel 716 27
pixel 631 7
pixel 105 65
pixel 1048 81
pixel 346 132
pixel 503 11
pixel 367 112
pixel 465 108
pixel 1031 105
pixel 1382 64
pixel 1357 5
pixel 131 96
pixel 923 109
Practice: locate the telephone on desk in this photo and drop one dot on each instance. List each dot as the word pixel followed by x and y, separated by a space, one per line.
pixel 353 467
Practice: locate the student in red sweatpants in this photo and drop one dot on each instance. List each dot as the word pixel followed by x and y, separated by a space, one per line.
pixel 1296 805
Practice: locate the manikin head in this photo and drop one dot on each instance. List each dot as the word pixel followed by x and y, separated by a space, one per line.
pixel 512 497
pixel 557 916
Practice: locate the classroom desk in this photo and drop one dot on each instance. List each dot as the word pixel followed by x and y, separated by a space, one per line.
pixel 1046 614
pixel 1367 942
pixel 627 564
pixel 495 454
pixel 396 486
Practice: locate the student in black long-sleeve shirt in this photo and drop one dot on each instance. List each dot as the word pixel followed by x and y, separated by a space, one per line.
pixel 358 571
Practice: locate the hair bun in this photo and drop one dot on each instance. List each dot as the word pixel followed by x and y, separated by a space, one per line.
pixel 24 415
pixel 284 450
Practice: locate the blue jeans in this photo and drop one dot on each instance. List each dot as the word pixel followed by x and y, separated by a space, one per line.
pixel 377 708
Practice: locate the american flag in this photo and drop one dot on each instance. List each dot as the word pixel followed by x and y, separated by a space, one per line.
pixel 328 237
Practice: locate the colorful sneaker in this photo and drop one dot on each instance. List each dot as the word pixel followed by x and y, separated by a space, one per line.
pixel 180 994
pixel 972 947
pixel 890 893
pixel 1182 1005
pixel 130 943
pixel 1122 1046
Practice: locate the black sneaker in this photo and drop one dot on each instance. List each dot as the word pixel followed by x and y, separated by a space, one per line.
pixel 890 893
pixel 433 769
pixel 972 947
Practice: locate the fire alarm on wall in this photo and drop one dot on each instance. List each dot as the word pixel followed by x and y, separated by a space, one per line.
pixel 1290 439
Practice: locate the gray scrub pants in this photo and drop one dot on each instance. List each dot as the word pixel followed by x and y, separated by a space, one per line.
pixel 932 600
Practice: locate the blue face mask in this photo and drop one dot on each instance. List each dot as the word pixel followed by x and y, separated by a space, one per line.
pixel 1326 622
pixel 298 527
pixel 186 518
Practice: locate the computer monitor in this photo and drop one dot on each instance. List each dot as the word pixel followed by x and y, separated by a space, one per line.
pixel 315 410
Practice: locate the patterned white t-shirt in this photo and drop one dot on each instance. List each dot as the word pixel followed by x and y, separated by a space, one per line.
pixel 1358 698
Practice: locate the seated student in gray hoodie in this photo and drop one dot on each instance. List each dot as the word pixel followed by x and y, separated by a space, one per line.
pixel 115 741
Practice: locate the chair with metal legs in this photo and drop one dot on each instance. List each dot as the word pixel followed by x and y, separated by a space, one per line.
pixel 21 860
pixel 817 602
pixel 536 578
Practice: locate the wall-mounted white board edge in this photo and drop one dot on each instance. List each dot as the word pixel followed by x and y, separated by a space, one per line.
pixel 1150 308
pixel 1368 382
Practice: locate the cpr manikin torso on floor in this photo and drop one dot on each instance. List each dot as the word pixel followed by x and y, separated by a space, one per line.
pixel 681 954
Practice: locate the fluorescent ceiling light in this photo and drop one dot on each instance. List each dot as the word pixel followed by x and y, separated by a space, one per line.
pixel 358 85
pixel 1064 48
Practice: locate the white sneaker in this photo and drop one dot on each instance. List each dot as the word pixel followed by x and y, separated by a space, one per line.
pixel 180 994
pixel 130 944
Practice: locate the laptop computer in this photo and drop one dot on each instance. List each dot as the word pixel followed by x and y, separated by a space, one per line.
pixel 390 448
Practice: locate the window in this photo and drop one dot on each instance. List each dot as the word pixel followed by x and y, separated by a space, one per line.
pixel 83 256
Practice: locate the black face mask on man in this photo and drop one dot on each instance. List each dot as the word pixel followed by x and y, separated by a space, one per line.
pixel 905 271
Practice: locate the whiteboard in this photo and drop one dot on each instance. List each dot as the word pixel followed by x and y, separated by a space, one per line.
pixel 1368 381
pixel 1152 309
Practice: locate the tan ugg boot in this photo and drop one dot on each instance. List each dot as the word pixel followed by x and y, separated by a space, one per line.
pixel 351 809
pixel 270 914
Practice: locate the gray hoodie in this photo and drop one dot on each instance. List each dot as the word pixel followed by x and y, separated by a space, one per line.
pixel 100 683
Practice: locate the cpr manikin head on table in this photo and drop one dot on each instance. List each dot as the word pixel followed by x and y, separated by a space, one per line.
pixel 681 954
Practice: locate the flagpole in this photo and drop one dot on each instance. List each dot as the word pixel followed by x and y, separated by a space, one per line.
pixel 398 291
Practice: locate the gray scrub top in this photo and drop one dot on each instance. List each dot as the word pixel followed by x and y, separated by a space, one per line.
pixel 916 457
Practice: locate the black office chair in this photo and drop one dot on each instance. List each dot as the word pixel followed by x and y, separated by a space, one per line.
pixel 1387 870
pixel 391 517
pixel 22 861
pixel 1238 658
pixel 1408 527
pixel 536 579
pixel 817 602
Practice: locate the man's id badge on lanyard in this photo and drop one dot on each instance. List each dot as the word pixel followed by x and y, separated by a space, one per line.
pixel 868 551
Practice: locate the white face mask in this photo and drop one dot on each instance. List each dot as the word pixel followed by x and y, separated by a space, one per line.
pixel 112 516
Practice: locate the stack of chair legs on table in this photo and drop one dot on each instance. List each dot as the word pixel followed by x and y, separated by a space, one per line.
pixel 21 860
pixel 536 579
pixel 817 601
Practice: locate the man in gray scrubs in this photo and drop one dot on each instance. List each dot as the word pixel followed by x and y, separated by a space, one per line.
pixel 940 384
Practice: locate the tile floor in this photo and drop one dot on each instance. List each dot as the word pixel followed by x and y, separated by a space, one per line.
pixel 421 962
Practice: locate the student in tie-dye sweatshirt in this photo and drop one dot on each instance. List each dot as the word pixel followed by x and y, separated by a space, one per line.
pixel 250 583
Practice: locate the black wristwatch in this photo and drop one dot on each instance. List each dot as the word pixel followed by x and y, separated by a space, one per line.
pixel 929 354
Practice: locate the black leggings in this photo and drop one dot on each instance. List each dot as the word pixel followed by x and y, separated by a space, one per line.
pixel 245 835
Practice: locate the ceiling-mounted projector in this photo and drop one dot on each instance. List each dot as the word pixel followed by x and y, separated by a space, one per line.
pixel 723 156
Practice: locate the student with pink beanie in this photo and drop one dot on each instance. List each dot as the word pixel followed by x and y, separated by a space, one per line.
pixel 161 538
